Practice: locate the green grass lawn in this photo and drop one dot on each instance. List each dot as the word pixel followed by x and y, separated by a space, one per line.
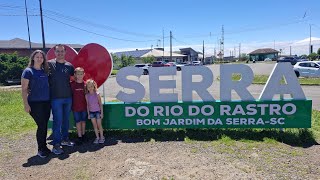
pixel 14 122
pixel 13 119
pixel 114 72
pixel 262 79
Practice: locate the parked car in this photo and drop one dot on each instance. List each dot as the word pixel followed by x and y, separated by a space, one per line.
pixel 9 82
pixel 145 68
pixel 159 64
pixel 171 64
pixel 179 65
pixel 307 69
pixel 292 60
pixel 267 59
pixel 196 63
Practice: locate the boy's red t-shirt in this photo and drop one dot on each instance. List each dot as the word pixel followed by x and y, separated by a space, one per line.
pixel 78 97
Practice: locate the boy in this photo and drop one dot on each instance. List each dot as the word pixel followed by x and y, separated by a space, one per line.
pixel 79 105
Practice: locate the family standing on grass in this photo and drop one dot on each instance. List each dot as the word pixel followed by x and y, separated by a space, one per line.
pixel 46 85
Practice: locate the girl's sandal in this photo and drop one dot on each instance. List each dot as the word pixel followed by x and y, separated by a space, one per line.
pixel 101 140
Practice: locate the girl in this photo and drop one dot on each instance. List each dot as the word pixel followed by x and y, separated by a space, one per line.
pixel 79 104
pixel 36 97
pixel 95 110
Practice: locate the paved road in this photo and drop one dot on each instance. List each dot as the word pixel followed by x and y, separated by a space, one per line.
pixel 112 88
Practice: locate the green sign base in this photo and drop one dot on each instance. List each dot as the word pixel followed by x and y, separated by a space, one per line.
pixel 235 114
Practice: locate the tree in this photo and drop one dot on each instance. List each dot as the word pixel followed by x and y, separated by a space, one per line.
pixel 244 57
pixel 148 59
pixel 304 56
pixel 115 59
pixel 11 66
pixel 318 52
pixel 313 56
pixel 126 61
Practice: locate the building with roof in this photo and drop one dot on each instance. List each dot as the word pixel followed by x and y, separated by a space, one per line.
pixel 158 53
pixel 191 54
pixel 262 54
pixel 21 46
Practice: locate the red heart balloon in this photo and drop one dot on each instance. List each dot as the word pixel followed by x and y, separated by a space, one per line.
pixel 93 58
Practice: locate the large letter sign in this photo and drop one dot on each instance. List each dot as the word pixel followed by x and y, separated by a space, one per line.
pixel 126 83
pixel 239 86
pixel 156 85
pixel 199 87
pixel 166 111
pixel 274 86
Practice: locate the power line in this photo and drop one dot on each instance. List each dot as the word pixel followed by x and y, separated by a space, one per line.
pixel 81 21
pixel 247 30
pixel 74 19
pixel 18 15
pixel 110 37
pixel 15 8
pixel 181 42
pixel 265 27
pixel 78 20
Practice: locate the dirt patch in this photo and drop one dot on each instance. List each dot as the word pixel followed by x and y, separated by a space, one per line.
pixel 132 159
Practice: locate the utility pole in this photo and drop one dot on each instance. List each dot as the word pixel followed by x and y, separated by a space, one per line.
pixel 239 51
pixel 274 44
pixel 25 4
pixel 43 41
pixel 218 44
pixel 170 46
pixel 290 50
pixel 203 52
pixel 222 42
pixel 162 43
pixel 310 41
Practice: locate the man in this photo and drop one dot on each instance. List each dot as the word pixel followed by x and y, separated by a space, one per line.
pixel 61 98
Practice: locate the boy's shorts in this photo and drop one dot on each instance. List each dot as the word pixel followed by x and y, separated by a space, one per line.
pixel 96 115
pixel 80 116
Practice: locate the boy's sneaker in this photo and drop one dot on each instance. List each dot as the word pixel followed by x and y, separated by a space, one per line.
pixel 96 141
pixel 101 140
pixel 57 150
pixel 67 143
pixel 43 154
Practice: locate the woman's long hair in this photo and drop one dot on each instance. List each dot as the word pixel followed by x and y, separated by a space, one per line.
pixel 44 65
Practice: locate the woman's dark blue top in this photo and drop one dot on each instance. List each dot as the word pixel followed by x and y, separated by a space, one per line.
pixel 38 84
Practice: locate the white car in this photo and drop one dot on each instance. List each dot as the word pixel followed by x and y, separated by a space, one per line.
pixel 179 65
pixel 196 63
pixel 145 68
pixel 307 69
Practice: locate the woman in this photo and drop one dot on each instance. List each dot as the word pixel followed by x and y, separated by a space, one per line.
pixel 36 98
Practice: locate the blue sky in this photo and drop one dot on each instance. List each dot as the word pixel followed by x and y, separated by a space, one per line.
pixel 140 23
